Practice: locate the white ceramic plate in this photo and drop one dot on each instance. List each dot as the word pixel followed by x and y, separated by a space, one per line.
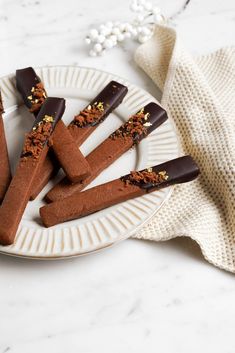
pixel 78 86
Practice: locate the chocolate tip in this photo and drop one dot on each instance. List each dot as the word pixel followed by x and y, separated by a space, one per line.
pixel 54 106
pixel 27 76
pixel 26 79
pixel 176 171
pixel 180 170
pixel 157 115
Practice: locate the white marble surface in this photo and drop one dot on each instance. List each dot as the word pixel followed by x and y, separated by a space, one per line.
pixel 137 296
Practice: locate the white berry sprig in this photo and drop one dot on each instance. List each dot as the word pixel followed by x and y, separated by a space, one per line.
pixel 108 35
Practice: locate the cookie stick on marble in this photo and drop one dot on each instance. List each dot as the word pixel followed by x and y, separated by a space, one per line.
pixel 65 148
pixel 34 152
pixel 5 170
pixel 135 184
pixel 130 133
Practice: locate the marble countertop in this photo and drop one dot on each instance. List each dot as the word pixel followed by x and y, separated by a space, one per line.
pixel 138 296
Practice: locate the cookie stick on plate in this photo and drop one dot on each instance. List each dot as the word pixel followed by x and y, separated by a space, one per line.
pixel 5 171
pixel 34 152
pixel 135 184
pixel 97 111
pixel 130 133
pixel 65 148
pixel 82 125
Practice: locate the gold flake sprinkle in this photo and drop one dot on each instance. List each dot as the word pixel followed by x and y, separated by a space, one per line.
pixel 141 111
pixel 34 128
pixel 48 119
pixel 100 106
pixel 36 101
pixel 147 124
pixel 163 174
pixel 89 107
pixel 146 116
pixel 30 97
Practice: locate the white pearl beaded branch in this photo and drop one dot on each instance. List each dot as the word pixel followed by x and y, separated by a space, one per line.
pixel 108 35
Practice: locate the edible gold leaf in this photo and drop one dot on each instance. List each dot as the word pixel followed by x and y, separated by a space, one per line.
pixel 147 124
pixel 146 116
pixel 48 119
pixel 163 174
pixel 100 106
pixel 141 111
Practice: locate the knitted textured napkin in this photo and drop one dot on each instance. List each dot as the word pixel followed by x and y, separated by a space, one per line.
pixel 199 94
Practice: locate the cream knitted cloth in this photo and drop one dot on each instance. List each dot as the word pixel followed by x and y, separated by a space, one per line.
pixel 199 94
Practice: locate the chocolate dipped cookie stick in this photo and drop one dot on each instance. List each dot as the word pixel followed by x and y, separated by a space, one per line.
pixel 130 133
pixel 135 184
pixel 34 152
pixel 85 123
pixel 5 171
pixel 65 148
pixel 97 111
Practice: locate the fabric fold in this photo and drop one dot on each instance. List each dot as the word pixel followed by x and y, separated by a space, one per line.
pixel 199 95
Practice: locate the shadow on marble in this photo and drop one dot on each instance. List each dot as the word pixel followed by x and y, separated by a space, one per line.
pixel 183 245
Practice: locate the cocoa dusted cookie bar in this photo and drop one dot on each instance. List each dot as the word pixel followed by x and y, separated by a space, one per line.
pixel 5 171
pixel 65 148
pixel 130 133
pixel 33 155
pixel 133 185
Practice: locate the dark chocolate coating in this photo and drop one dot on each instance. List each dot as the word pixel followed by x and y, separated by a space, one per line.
pixel 26 79
pixel 157 116
pixel 111 96
pixel 179 170
pixel 52 106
